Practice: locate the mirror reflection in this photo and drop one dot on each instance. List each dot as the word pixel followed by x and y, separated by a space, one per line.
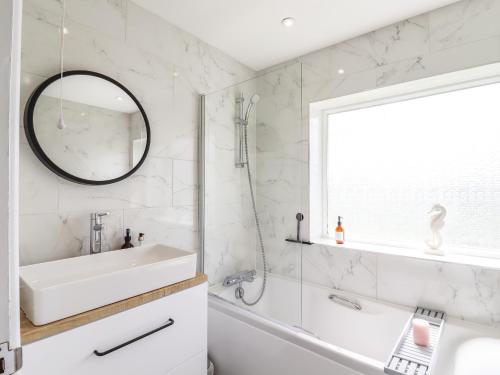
pixel 90 127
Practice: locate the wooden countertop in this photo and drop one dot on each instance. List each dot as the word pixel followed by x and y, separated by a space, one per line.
pixel 30 332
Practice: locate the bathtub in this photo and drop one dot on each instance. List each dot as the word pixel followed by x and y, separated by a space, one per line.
pixel 278 337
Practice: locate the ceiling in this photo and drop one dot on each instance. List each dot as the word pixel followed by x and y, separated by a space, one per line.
pixel 250 30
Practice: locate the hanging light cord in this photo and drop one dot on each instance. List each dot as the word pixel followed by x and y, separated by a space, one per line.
pixel 61 63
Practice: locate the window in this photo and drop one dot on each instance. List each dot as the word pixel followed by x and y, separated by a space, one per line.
pixel 387 161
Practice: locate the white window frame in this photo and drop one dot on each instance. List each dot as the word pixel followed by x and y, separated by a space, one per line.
pixel 320 111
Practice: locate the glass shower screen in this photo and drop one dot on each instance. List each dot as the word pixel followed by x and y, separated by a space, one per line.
pixel 254 176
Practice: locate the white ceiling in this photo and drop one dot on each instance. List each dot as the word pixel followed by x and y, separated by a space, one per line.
pixel 251 32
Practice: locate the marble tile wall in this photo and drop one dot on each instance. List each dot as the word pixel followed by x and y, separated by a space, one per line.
pixel 230 231
pixel 107 131
pixel 459 36
pixel 465 292
pixel 166 69
pixel 281 162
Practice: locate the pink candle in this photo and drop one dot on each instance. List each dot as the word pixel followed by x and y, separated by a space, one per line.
pixel 420 332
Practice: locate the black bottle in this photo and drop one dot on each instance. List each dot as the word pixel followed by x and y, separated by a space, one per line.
pixel 128 239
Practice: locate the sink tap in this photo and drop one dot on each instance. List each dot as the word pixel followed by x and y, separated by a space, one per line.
pixel 96 228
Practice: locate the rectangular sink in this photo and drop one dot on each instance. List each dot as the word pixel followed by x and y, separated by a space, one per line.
pixel 55 290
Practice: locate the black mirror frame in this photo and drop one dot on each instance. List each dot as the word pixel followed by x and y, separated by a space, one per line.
pixel 37 149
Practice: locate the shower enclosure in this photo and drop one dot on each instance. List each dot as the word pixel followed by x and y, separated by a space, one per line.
pixel 254 179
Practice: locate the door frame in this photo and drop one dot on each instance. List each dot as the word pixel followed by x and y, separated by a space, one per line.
pixel 10 67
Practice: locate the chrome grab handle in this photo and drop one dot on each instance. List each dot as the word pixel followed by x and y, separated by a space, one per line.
pixel 106 352
pixel 344 301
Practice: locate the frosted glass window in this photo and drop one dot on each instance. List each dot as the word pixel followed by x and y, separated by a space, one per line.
pixel 388 164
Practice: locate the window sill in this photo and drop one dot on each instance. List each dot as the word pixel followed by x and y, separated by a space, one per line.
pixel 448 257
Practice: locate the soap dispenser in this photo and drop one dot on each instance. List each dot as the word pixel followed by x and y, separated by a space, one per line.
pixel 339 232
pixel 128 240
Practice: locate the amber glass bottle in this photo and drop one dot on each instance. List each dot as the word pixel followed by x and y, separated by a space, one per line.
pixel 339 232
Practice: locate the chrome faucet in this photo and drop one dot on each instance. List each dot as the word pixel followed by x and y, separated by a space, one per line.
pixel 238 278
pixel 96 228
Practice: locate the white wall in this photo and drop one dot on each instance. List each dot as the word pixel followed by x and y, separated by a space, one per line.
pixel 142 51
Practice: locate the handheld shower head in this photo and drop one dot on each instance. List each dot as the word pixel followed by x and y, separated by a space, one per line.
pixel 253 100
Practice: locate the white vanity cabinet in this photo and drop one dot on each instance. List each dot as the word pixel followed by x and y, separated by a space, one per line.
pixel 178 349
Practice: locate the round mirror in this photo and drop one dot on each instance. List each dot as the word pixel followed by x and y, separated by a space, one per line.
pixel 87 128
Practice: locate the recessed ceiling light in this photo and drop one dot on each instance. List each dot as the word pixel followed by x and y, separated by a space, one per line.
pixel 176 74
pixel 288 21
pixel 119 98
pixel 341 71
pixel 65 30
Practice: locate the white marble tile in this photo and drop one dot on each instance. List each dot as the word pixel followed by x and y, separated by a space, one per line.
pixel 485 51
pixel 228 249
pixel 283 258
pixel 95 144
pixel 281 167
pixel 87 48
pixel 205 67
pixel 52 236
pixel 39 239
pixel 389 44
pixel 338 86
pixel 110 18
pixel 185 189
pixel 172 226
pixel 38 186
pixel 462 291
pixel 343 269
pixel 464 22
pixel 174 121
pixel 230 242
pixel 150 186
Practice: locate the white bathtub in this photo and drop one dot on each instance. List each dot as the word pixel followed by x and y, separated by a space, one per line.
pixel 262 340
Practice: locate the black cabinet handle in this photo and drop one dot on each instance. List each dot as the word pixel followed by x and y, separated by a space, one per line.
pixel 101 354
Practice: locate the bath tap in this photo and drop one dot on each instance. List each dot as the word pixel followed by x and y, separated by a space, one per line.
pixel 238 278
pixel 96 227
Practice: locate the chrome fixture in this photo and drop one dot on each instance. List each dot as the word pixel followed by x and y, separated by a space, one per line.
pixel 96 228
pixel 243 160
pixel 344 301
pixel 298 238
pixel 241 122
pixel 238 278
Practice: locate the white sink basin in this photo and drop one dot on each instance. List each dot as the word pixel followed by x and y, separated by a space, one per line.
pixel 55 290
